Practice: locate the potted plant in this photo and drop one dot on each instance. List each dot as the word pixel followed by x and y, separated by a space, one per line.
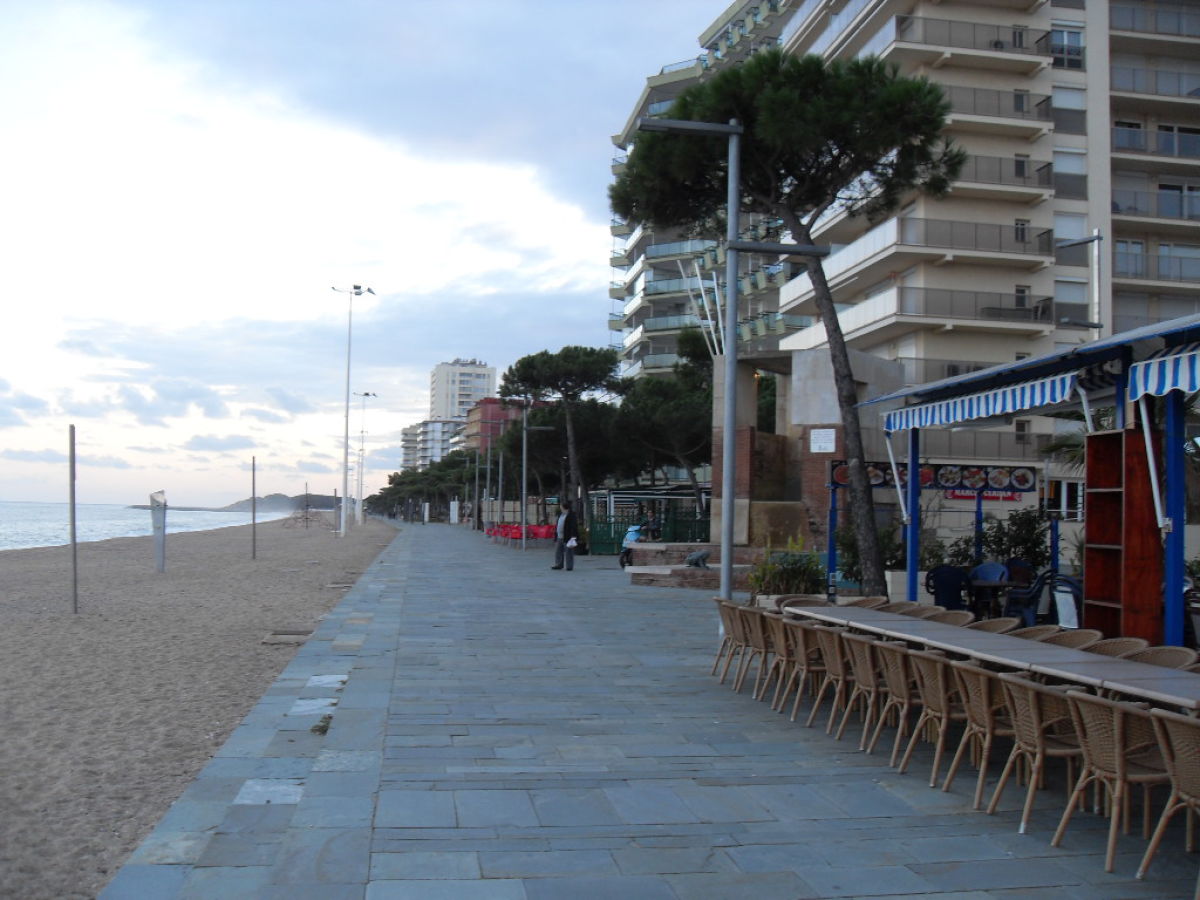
pixel 791 571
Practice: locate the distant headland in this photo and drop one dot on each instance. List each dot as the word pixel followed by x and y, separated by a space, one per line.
pixel 271 503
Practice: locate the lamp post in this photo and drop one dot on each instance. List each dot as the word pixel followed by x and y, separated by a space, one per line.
pixel 1093 320
pixel 362 446
pixel 355 291
pixel 525 429
pixel 733 131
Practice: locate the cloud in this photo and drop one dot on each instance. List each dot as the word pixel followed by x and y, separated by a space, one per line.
pixel 265 415
pixel 289 401
pixel 104 462
pixel 218 443
pixel 314 467
pixel 46 456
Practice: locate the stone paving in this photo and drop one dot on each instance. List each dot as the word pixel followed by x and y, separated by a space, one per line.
pixel 499 730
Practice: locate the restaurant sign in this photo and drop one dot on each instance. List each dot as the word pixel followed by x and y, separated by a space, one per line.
pixel 959 482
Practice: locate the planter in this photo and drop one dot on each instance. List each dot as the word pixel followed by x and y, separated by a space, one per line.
pixel 897 584
pixel 771 601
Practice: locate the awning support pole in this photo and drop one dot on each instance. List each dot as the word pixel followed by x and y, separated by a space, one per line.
pixel 1174 551
pixel 1164 524
pixel 1087 409
pixel 896 475
pixel 913 545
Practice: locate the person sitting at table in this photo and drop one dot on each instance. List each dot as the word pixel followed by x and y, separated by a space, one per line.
pixel 987 579
pixel 947 584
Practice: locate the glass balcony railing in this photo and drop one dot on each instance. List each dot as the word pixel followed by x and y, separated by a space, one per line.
pixel 1000 104
pixel 1006 170
pixel 1158 205
pixel 950 304
pixel 976 236
pixel 970 35
pixel 679 248
pixel 1155 267
pixel 670 323
pixel 1149 19
pixel 1159 143
pixel 1159 82
pixel 672 285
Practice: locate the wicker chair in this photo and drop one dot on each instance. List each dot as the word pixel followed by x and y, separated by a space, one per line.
pixel 757 646
pixel 732 643
pixel 898 607
pixel 807 664
pixel 987 719
pixel 867 602
pixel 783 604
pixel 1042 730
pixel 939 708
pixel 921 610
pixel 999 625
pixel 1035 632
pixel 868 686
pixel 837 674
pixel 953 617
pixel 1077 638
pixel 1167 656
pixel 1179 741
pixel 1118 646
pixel 782 659
pixel 900 696
pixel 1117 753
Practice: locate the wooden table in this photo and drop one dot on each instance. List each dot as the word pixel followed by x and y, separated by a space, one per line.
pixel 1172 687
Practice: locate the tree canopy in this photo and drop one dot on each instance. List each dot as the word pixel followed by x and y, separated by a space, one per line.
pixel 852 134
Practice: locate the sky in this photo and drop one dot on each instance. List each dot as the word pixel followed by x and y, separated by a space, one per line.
pixel 185 181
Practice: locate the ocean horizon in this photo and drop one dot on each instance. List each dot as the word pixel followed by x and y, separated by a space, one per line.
pixel 25 524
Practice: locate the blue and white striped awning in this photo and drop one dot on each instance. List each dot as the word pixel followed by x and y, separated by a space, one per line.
pixel 999 401
pixel 1174 369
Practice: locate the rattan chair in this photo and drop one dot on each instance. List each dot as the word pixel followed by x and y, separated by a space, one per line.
pixel 867 602
pixel 1117 753
pixel 780 667
pixel 1042 730
pixel 953 617
pixel 868 686
pixel 898 607
pixel 921 610
pixel 1000 625
pixel 1179 742
pixel 1167 656
pixel 1076 638
pixel 939 707
pixel 795 602
pixel 1035 632
pixel 808 667
pixel 901 695
pixel 732 643
pixel 1118 646
pixel 757 647
pixel 987 719
pixel 837 674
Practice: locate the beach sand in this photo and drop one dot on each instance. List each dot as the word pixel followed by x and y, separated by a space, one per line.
pixel 109 714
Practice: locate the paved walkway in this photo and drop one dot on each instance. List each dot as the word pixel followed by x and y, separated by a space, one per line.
pixel 497 730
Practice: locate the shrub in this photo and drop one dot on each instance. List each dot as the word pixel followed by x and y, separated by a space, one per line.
pixel 790 571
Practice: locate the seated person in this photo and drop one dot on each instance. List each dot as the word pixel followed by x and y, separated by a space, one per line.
pixel 632 536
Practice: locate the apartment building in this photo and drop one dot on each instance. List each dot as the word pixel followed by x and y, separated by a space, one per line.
pixel 454 387
pixel 1076 216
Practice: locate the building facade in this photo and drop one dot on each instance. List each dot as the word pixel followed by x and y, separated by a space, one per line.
pixel 454 387
pixel 1077 215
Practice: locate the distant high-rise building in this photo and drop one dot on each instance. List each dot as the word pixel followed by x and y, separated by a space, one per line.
pixel 454 387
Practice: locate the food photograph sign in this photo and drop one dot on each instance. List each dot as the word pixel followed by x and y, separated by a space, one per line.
pixel 959 482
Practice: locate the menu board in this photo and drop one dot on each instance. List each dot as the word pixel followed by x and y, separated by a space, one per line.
pixel 945 477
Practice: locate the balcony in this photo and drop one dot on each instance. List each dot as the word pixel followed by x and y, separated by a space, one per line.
pixel 1157 91
pixel 899 243
pixel 916 41
pixel 1176 212
pixel 619 228
pixel 1156 151
pixel 616 322
pixel 1144 28
pixel 900 311
pixel 1005 178
pixel 650 363
pixel 678 249
pixel 1145 267
pixel 985 111
pixel 618 164
pixel 616 290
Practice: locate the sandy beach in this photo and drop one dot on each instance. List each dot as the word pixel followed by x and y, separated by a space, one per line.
pixel 109 714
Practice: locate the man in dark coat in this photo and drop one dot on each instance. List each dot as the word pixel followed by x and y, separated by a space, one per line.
pixel 566 536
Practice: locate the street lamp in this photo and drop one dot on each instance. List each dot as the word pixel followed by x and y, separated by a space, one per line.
pixel 1093 320
pixel 733 130
pixel 355 291
pixel 362 442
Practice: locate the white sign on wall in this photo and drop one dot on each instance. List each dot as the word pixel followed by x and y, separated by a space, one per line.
pixel 822 440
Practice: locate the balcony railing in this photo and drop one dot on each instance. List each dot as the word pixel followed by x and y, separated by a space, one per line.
pixel 1006 170
pixel 1001 104
pixel 1155 268
pixel 672 285
pixel 1159 82
pixel 670 323
pixel 949 304
pixel 971 36
pixel 976 236
pixel 1158 205
pixel 678 248
pixel 1159 143
pixel 1170 20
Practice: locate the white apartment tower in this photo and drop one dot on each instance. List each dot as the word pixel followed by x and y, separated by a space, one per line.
pixel 1081 121
pixel 454 387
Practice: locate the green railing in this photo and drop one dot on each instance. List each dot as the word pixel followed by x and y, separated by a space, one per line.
pixel 608 531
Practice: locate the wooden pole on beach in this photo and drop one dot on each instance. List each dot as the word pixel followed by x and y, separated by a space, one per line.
pixel 74 546
pixel 254 507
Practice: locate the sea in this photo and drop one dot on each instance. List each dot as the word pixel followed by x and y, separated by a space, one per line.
pixel 29 524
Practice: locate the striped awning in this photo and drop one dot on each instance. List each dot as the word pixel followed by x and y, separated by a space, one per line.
pixel 1174 369
pixel 997 402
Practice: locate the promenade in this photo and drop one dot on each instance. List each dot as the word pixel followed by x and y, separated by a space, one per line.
pixel 495 730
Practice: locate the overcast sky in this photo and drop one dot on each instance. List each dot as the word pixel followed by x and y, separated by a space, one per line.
pixel 185 180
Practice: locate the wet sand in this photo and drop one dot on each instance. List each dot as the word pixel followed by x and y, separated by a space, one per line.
pixel 110 713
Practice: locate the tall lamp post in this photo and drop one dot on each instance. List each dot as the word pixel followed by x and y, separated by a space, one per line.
pixel 733 131
pixel 355 291
pixel 362 447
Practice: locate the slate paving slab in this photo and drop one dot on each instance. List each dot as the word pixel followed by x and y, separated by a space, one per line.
pixel 501 731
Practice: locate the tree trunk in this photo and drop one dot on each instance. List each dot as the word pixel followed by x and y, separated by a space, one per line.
pixel 686 465
pixel 574 476
pixel 862 503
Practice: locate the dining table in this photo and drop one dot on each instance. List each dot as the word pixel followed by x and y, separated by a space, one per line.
pixel 1157 684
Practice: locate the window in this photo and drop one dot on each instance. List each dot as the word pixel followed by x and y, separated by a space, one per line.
pixel 1072 162
pixel 1022 294
pixel 1066 47
pixel 1129 258
pixel 1069 98
pixel 1021 165
pixel 1021 231
pixel 1069 226
pixel 1178 140
pixel 1022 431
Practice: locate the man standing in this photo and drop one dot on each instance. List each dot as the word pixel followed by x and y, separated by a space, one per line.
pixel 566 537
